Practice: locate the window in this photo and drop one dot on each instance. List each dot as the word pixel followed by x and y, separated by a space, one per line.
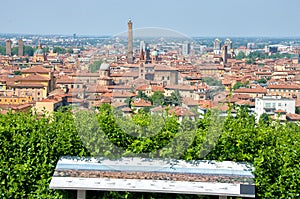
pixel 78 86
pixel 168 78
pixel 268 105
pixel 163 78
pixel 279 104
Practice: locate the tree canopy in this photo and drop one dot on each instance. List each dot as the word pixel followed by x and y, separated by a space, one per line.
pixel 95 66
pixel 32 144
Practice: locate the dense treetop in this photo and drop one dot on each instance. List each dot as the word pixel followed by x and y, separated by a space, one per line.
pixel 31 146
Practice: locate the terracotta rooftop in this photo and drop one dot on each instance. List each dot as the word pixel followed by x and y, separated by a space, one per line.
pixel 120 94
pixel 74 100
pixel 205 103
pixel 280 111
pixel 36 69
pixel 97 89
pixel 284 86
pixel 241 96
pixel 118 104
pixel 190 101
pixel 27 85
pixel 126 110
pixel 35 77
pixel 141 103
pixel 125 74
pixel 293 117
pixel 180 111
pixel 55 100
pixel 66 80
pixel 152 88
pixel 84 74
pixel 245 102
pixel 181 87
pixel 164 68
pixel 251 90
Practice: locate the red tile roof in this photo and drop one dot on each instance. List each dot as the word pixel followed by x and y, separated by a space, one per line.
pixel 36 69
pixel 141 103
pixel 164 68
pixel 293 117
pixel 180 111
pixel 251 90
pixel 35 77
pixel 27 85
pixel 284 86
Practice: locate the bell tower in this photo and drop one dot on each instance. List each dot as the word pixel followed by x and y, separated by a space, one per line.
pixel 130 43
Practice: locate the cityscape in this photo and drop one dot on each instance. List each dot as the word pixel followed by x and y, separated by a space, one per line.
pixel 47 72
pixel 150 100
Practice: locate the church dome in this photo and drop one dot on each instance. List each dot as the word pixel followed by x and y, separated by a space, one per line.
pixel 104 66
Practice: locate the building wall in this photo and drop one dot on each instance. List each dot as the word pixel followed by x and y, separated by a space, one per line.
pixel 16 100
pixel 284 92
pixel 48 106
pixel 37 94
pixel 169 77
pixel 89 80
pixel 269 104
pixel 124 79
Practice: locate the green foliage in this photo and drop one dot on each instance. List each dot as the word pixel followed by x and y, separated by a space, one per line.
pixel 59 50
pixel 250 59
pixel 265 119
pixel 175 99
pixel 94 67
pixel 14 51
pixel 28 51
pixel 240 55
pixel 17 72
pixel 238 85
pixel 211 81
pixel 262 81
pixel 157 98
pixel 70 50
pixel 2 50
pixel 31 146
pixel 142 95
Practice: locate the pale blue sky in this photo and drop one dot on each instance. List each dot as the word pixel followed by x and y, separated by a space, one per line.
pixel 191 17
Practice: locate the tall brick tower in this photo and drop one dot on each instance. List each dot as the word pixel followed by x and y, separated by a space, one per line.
pixel 130 41
pixel 225 54
pixel 20 47
pixel 8 47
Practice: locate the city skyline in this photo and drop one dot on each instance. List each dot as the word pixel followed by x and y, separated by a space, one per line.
pixel 193 18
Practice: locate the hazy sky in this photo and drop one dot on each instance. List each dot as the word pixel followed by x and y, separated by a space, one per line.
pixel 191 17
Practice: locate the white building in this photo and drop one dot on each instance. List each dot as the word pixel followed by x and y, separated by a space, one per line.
pixel 270 104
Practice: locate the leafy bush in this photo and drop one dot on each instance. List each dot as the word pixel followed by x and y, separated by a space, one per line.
pixel 31 146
